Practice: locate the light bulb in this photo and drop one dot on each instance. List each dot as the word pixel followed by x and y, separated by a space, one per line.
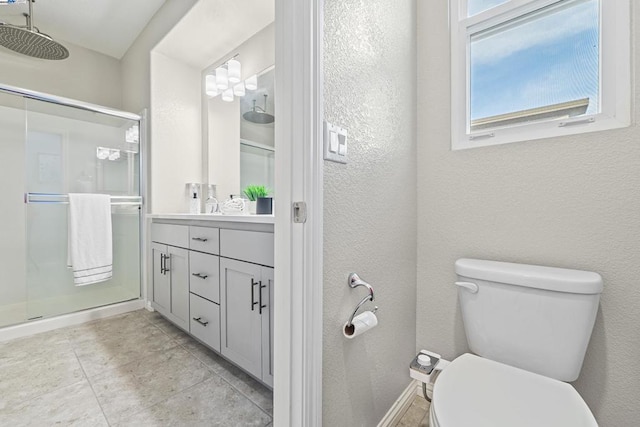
pixel 234 70
pixel 222 78
pixel 238 90
pixel 114 155
pixel 227 95
pixel 251 83
pixel 102 153
pixel 210 87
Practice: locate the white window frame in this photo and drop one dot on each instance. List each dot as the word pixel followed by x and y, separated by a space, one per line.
pixel 615 75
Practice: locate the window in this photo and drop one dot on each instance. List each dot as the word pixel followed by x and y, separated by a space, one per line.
pixel 531 69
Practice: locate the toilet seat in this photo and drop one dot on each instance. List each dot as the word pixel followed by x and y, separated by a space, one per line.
pixel 473 391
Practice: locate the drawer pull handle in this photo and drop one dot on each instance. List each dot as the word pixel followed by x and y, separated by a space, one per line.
pixel 199 320
pixel 199 275
pixel 162 263
pixel 253 302
pixel 260 296
pixel 199 239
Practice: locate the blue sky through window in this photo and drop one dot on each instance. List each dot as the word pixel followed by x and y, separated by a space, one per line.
pixel 544 59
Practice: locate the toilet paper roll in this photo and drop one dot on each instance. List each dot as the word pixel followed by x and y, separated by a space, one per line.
pixel 361 324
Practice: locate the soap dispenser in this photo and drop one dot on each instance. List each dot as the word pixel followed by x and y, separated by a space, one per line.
pixel 194 204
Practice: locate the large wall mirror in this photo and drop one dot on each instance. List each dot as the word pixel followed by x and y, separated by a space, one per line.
pixel 238 132
pixel 257 136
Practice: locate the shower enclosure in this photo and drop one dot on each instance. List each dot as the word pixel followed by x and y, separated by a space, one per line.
pixel 50 147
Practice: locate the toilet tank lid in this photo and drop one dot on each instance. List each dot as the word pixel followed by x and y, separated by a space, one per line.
pixel 532 276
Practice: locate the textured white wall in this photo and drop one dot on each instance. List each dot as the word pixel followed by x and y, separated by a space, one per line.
pixel 370 208
pixel 176 129
pixel 136 68
pixel 568 202
pixel 86 75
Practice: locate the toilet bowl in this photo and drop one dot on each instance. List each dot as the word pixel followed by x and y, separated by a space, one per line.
pixel 528 328
pixel 478 392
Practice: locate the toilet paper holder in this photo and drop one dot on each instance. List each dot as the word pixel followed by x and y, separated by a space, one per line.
pixel 354 281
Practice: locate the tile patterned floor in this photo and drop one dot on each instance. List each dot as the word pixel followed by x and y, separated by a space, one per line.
pixel 136 369
pixel 417 415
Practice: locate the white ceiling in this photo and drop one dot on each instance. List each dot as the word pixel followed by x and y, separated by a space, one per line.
pixel 212 28
pixel 106 26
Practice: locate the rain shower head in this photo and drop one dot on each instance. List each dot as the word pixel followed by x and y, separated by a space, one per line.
pixel 28 40
pixel 258 114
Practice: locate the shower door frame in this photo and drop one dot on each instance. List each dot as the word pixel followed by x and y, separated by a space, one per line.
pixel 142 124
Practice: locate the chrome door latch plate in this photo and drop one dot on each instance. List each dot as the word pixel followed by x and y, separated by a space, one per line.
pixel 299 212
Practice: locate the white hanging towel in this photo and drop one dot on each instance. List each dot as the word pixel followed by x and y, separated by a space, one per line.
pixel 90 246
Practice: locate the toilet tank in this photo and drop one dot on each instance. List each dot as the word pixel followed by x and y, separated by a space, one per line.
pixel 532 317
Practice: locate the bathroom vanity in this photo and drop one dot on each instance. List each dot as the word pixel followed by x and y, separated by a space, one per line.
pixel 212 276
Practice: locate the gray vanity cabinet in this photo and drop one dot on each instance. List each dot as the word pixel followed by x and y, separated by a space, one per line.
pixel 245 319
pixel 217 284
pixel 171 283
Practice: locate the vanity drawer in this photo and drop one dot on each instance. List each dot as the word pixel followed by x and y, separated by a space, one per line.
pixel 205 321
pixel 170 234
pixel 204 275
pixel 252 246
pixel 204 239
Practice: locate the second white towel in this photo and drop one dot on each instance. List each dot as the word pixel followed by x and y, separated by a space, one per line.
pixel 90 245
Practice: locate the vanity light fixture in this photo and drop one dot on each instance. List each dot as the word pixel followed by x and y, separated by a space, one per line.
pixel 238 90
pixel 211 89
pixel 234 70
pixel 132 135
pixel 114 154
pixel 222 78
pixel 227 95
pixel 251 83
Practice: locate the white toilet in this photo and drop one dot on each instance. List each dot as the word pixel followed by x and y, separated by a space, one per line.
pixel 529 327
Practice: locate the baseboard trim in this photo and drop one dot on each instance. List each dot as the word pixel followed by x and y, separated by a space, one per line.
pixel 400 406
pixel 44 325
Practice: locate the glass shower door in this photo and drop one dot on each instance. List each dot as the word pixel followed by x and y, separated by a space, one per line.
pixel 69 150
pixel 13 292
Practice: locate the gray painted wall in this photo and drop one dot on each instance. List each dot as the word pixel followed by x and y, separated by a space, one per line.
pixel 370 208
pixel 569 202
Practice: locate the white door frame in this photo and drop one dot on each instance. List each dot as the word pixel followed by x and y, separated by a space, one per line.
pixel 298 253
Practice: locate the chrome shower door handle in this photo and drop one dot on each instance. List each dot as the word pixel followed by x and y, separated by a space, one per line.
pixel 470 286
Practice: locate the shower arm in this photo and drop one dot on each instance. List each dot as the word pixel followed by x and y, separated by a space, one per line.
pixel 259 108
pixel 29 16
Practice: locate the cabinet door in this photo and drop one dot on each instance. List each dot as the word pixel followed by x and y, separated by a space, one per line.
pixel 267 326
pixel 161 292
pixel 178 265
pixel 240 318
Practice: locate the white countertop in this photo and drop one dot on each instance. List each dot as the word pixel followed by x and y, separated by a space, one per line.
pixel 255 219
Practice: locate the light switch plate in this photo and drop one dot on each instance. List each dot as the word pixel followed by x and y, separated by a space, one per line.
pixel 335 143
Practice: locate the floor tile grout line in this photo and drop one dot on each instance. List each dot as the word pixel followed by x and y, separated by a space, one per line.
pixel 228 382
pixel 169 397
pixel 95 395
pixel 210 369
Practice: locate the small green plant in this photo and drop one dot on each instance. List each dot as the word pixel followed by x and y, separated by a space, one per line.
pixel 254 191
